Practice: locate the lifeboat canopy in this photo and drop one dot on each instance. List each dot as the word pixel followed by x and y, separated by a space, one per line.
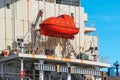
pixel 62 26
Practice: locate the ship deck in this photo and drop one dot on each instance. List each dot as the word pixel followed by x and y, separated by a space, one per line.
pixel 55 59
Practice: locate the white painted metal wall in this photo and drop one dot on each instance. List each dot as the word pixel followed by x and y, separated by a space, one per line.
pixel 17 20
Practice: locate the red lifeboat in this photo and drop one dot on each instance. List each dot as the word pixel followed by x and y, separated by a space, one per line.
pixel 62 26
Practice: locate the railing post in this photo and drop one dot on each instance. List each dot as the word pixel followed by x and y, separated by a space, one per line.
pixel 41 72
pixel 22 67
pixel 95 78
pixel 49 75
pixel 2 69
pixel 69 74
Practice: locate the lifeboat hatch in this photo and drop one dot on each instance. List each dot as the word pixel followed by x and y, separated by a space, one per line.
pixel 62 26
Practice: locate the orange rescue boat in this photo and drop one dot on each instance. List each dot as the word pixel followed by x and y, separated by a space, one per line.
pixel 62 26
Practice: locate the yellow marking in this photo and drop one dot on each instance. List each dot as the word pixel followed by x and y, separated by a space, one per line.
pixel 66 59
pixel 62 59
pixel 81 61
pixel 33 55
pixel 51 57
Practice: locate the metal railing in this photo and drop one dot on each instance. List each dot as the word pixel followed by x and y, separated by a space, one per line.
pixel 64 69
pixel 96 58
pixel 9 76
pixel 46 67
pixel 76 70
pixel 103 59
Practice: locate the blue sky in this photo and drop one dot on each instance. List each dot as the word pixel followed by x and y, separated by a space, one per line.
pixel 105 14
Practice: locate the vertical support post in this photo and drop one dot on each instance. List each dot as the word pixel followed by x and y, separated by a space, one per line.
pixel 34 75
pixel 96 78
pixel 60 75
pixel 41 72
pixel 102 76
pixel 49 76
pixel 22 49
pixel 22 67
pixel 33 36
pixel 69 74
pixel 117 72
pixel 2 69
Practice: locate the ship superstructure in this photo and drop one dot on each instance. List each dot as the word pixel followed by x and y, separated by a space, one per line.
pixel 29 53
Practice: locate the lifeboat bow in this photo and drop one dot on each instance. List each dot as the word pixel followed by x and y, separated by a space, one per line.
pixel 62 26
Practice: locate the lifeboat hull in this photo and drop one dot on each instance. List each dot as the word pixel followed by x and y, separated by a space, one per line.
pixel 62 26
pixel 58 29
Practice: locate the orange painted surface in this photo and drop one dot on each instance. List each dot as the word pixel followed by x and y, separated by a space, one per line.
pixel 66 59
pixel 51 57
pixel 55 58
pixel 62 26
pixel 33 55
pixel 81 61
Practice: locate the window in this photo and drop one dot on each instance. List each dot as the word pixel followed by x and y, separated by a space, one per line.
pixel 69 2
pixel 8 6
pixel 50 1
